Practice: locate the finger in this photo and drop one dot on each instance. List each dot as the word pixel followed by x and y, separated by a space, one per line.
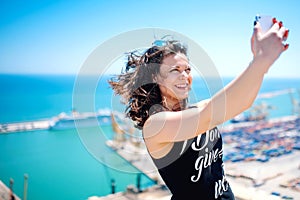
pixel 282 32
pixel 257 30
pixel 285 34
pixel 252 45
pixel 280 24
pixel 285 47
pixel 276 26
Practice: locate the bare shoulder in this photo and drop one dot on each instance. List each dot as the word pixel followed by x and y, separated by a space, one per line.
pixel 151 133
pixel 154 124
pixel 159 124
pixel 174 126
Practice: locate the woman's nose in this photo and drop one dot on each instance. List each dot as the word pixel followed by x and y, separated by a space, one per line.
pixel 184 74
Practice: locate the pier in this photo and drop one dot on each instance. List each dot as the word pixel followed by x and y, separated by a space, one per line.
pixel 137 155
pixel 154 192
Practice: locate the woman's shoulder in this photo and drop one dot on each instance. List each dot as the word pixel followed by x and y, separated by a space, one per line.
pixel 162 116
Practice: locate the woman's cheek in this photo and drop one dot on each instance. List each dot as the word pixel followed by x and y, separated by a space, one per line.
pixel 190 79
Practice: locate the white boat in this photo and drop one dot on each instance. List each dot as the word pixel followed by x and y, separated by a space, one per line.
pixel 79 120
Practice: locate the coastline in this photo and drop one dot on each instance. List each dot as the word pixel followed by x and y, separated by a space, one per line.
pixel 28 151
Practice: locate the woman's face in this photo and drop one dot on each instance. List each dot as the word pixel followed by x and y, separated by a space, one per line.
pixel 175 78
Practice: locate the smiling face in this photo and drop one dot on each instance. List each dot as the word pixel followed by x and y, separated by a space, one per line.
pixel 174 78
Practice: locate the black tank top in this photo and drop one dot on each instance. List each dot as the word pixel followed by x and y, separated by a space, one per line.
pixel 193 169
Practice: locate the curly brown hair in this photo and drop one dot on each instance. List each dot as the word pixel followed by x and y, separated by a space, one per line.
pixel 136 86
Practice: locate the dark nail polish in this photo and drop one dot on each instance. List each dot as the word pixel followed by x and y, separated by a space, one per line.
pixel 280 24
pixel 274 20
pixel 255 22
pixel 286 33
pixel 286 46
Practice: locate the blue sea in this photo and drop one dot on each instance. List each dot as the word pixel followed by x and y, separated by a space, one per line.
pixel 60 164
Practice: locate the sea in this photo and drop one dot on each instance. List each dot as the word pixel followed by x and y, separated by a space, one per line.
pixel 77 164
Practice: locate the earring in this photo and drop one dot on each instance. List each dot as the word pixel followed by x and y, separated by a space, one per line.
pixel 165 103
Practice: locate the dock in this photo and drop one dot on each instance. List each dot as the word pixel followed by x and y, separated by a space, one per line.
pixel 155 192
pixel 138 156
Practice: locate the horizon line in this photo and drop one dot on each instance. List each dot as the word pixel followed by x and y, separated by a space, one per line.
pixel 108 74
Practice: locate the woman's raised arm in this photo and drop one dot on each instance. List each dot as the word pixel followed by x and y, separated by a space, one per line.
pixel 235 98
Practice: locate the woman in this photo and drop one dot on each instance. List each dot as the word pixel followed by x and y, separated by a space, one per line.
pixel 183 141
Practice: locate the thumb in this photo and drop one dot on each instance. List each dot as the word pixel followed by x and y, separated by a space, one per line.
pixel 257 30
pixel 255 37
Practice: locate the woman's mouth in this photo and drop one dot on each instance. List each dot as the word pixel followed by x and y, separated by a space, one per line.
pixel 182 86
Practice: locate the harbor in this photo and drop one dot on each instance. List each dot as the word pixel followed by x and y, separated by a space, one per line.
pixel 261 157
pixel 277 176
pixel 60 58
pixel 255 154
pixel 265 155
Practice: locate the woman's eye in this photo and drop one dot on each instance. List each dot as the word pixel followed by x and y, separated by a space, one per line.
pixel 175 70
pixel 188 70
pixel 178 70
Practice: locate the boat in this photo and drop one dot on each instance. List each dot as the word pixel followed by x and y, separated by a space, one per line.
pixel 80 120
pixel 257 112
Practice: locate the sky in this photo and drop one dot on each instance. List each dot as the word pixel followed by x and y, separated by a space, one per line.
pixel 56 37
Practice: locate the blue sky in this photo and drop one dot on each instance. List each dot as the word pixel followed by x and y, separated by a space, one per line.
pixel 56 37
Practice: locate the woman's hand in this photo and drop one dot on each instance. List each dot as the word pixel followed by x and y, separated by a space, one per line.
pixel 269 45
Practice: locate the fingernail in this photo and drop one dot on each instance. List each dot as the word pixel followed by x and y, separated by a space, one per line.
pixel 255 22
pixel 280 24
pixel 286 46
pixel 274 20
pixel 286 33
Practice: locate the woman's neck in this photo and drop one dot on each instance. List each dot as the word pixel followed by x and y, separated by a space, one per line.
pixel 174 104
